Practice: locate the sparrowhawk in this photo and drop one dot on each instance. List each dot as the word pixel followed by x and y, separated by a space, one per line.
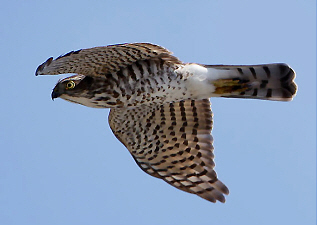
pixel 160 108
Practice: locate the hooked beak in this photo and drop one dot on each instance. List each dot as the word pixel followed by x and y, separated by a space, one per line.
pixel 55 94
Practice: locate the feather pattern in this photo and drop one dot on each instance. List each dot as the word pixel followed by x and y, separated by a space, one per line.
pixel 172 142
pixel 100 61
pixel 160 108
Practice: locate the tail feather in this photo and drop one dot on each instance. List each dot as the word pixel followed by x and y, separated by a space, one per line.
pixel 268 81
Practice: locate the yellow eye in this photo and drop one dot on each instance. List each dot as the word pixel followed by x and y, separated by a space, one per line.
pixel 70 85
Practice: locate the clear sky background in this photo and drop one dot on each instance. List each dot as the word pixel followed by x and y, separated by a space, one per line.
pixel 61 164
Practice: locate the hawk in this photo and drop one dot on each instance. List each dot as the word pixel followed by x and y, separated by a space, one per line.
pixel 160 108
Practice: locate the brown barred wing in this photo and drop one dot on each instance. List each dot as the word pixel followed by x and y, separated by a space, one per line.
pixel 100 61
pixel 172 142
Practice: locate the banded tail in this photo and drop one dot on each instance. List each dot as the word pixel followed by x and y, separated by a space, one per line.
pixel 268 81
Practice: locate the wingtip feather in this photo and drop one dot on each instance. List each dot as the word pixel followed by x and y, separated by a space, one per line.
pixel 42 66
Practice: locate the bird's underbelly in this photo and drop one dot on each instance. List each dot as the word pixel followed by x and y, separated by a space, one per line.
pixel 145 91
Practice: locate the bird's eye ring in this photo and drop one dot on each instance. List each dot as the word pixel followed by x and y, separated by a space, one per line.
pixel 70 85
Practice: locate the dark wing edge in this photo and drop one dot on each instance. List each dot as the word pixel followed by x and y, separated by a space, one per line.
pixel 172 142
pixel 99 61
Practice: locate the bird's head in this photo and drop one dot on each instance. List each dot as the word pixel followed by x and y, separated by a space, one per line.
pixel 74 89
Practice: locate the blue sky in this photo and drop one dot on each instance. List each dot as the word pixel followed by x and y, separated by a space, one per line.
pixel 60 162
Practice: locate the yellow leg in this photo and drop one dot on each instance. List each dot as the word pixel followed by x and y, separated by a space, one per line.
pixel 224 86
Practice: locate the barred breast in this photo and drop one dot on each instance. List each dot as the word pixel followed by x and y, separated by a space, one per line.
pixel 145 82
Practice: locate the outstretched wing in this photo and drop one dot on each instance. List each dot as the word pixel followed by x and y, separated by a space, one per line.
pixel 100 61
pixel 172 142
